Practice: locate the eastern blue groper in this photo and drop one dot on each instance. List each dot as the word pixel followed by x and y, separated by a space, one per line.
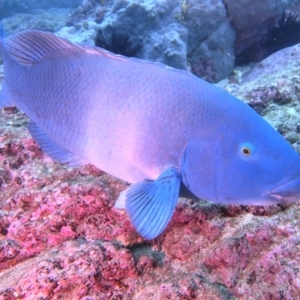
pixel 164 130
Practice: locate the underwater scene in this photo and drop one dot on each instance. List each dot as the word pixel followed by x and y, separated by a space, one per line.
pixel 149 149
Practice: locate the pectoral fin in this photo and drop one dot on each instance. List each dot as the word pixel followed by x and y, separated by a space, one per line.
pixel 151 204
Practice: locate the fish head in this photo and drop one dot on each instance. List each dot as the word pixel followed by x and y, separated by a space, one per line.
pixel 251 165
pixel 259 172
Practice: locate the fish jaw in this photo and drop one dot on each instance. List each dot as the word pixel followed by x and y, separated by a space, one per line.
pixel 287 192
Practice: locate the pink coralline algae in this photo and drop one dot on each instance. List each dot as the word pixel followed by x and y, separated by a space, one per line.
pixel 61 238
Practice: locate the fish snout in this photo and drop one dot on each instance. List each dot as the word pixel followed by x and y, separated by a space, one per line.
pixel 287 192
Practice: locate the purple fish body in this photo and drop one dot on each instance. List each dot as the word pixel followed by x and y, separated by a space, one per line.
pixel 148 124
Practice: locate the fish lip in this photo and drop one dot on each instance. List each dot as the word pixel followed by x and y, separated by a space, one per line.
pixel 289 191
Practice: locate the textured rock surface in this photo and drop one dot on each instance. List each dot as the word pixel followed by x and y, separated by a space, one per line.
pixel 48 20
pixel 210 40
pixel 253 19
pixel 202 36
pixel 182 34
pixel 60 238
pixel 11 7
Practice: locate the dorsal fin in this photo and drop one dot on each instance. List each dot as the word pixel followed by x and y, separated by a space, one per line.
pixel 31 46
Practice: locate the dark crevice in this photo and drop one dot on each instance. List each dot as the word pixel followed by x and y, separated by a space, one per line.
pixel 119 43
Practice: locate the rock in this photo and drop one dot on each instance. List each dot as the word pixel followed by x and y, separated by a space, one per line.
pixel 47 20
pixel 206 37
pixel 274 64
pixel 253 21
pixel 188 34
pixel 208 57
pixel 12 7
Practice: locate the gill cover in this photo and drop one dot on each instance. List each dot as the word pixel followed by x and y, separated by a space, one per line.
pixel 198 168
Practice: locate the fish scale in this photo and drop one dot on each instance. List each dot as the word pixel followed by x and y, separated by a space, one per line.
pixel 166 131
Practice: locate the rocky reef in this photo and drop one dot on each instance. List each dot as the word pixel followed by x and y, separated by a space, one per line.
pixel 61 238
pixel 209 37
pixel 51 20
pixel 11 7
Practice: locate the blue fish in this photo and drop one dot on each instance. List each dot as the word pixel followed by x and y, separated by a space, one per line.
pixel 164 130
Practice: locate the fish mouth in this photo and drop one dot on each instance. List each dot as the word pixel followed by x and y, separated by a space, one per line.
pixel 287 192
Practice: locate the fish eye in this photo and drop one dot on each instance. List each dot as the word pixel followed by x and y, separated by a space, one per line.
pixel 246 149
